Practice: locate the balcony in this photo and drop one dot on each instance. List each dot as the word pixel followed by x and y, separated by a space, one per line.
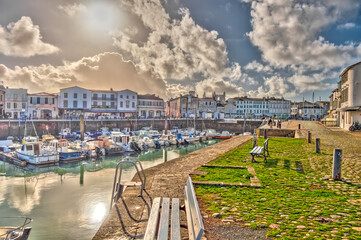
pixel 103 99
pixel 103 107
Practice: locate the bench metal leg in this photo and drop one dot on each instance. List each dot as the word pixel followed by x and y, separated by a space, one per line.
pixel 253 158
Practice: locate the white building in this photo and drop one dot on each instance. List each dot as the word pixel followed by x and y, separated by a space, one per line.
pixel 150 106
pixel 279 108
pixel 127 103
pixel 74 101
pixel 350 98
pixel 251 107
pixel 16 103
pixel 42 105
pixel 230 108
pixel 103 104
pixel 307 110
pixel 207 108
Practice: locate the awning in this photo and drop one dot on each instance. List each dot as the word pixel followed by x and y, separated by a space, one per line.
pixel 349 109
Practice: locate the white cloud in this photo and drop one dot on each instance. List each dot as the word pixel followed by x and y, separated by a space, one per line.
pixel 219 86
pixel 23 39
pixel 72 9
pixel 102 71
pixel 287 32
pixel 258 67
pixel 348 25
pixel 175 48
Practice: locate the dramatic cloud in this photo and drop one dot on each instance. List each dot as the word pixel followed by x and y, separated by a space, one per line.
pixel 72 9
pixel 23 39
pixel 258 67
pixel 219 86
pixel 103 71
pixel 275 86
pixel 175 48
pixel 287 32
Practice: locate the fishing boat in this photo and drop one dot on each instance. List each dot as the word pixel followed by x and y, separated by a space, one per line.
pixel 121 140
pixel 15 233
pixel 33 153
pixel 65 154
pixel 223 135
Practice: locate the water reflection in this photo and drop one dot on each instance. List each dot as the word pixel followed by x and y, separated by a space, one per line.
pixel 69 201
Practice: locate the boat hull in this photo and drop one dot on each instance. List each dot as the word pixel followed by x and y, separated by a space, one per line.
pixel 70 156
pixel 38 160
pixel 222 137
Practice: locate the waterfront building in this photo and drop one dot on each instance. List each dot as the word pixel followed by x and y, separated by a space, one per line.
pixel 307 110
pixel 219 114
pixel 183 106
pixel 16 103
pixel 103 104
pixel 127 103
pixel 42 105
pixel 335 104
pixel 279 108
pixel 325 105
pixel 150 106
pixel 2 100
pixel 251 107
pixel 74 101
pixel 207 108
pixel 349 88
pixel 230 108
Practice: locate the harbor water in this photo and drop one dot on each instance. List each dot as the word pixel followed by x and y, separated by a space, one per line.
pixel 70 201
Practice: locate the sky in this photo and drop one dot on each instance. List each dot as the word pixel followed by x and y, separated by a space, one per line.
pixel 260 48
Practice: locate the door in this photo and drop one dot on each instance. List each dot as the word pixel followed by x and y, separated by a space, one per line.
pixel 36 149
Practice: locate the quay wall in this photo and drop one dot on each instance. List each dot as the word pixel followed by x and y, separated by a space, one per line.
pixel 17 128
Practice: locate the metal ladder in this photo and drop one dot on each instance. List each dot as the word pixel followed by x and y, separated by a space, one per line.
pixel 119 186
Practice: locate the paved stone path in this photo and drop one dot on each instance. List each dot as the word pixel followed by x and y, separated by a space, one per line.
pixel 128 219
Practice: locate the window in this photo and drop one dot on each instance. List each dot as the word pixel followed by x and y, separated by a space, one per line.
pixel 23 105
pixel 84 95
pixel 95 103
pixel 75 104
pixel 31 100
pixel 127 104
pixel 121 96
pixel 9 105
pixel 66 95
pixel 95 96
pixel 15 96
pixel 24 96
pixel 133 104
pixel 38 100
pixel 133 97
pixel 104 104
pixel 65 103
pixel 75 95
pixel 127 96
pixel 112 104
pixel 15 105
pixel 9 96
pixel 53 100
pixel 104 96
pixel 84 104
pixel 112 97
pixel 121 104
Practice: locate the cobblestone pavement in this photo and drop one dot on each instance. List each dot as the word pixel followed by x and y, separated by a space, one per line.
pixel 128 218
pixel 332 138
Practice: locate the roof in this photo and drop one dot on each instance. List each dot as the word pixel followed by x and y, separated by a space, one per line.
pixel 41 94
pixel 249 99
pixel 149 97
pixel 348 68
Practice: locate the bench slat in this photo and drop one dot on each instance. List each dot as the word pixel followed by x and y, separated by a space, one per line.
pixel 153 221
pixel 175 224
pixel 194 218
pixel 164 220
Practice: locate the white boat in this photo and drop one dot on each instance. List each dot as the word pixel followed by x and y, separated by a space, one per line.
pixel 223 135
pixel 15 233
pixel 7 146
pixel 65 154
pixel 29 139
pixel 122 140
pixel 33 153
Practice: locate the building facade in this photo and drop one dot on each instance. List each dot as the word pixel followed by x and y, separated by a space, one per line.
pixel 103 104
pixel 42 106
pixel 16 103
pixel 349 87
pixel 279 108
pixel 207 108
pixel 2 100
pixel 74 101
pixel 127 103
pixel 150 106
pixel 183 106
pixel 251 107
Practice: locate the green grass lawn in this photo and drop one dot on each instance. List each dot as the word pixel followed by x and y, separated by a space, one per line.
pixel 293 201
pixel 227 175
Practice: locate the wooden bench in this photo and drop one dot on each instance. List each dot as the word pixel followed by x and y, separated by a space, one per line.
pixel 260 151
pixel 158 222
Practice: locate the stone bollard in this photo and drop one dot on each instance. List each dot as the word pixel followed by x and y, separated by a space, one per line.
pixel 254 140
pixel 336 166
pixel 299 126
pixel 265 133
pixel 318 142
pixel 309 139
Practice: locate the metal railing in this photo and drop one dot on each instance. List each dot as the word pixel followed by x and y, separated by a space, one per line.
pixel 118 185
pixel 24 231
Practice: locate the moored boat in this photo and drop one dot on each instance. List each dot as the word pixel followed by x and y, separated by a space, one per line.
pixel 33 153
pixel 223 135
